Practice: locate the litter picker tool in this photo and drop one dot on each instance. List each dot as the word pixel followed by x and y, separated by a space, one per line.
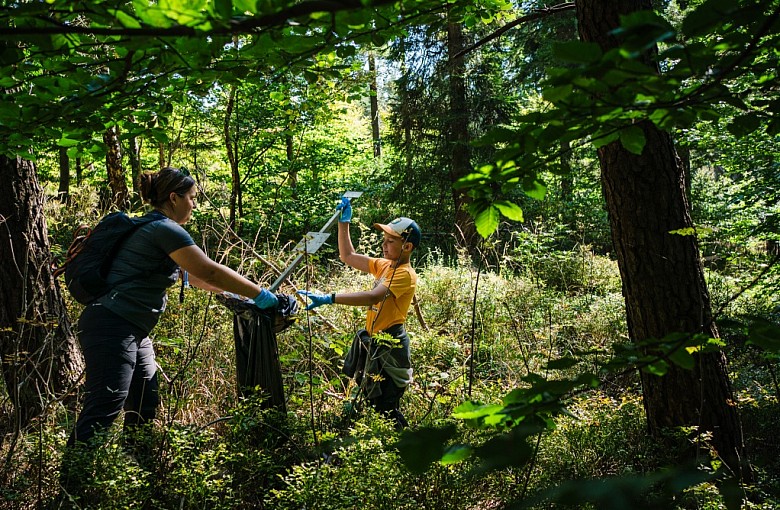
pixel 311 242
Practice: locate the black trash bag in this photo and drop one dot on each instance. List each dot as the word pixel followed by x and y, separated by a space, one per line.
pixel 257 353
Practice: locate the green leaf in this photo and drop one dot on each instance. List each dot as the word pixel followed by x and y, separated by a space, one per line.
pixel 470 410
pixel 534 188
pixel 555 94
pixel 509 209
pixel 692 231
pixel 562 363
pixel 647 490
pixel 732 493
pixel 633 139
pixel 151 14
pixel 602 139
pixel 486 221
pixel 277 96
pixel 456 453
pixel 744 125
pixel 125 19
pixel 421 447
pixel 682 357
pixel 503 451
pixel 577 52
pixel 224 9
pixel 658 368
pixel 707 16
pixel 764 334
pixel 378 39
pixel 245 6
pixel 67 142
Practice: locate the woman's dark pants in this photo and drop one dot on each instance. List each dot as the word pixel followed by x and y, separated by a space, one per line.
pixel 120 373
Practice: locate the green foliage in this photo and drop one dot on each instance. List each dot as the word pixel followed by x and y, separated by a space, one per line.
pixel 605 97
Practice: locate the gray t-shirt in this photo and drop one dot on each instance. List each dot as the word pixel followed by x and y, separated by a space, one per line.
pixel 144 260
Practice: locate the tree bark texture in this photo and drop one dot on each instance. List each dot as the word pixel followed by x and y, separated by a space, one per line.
pixel 460 165
pixel 40 358
pixel 120 195
pixel 662 275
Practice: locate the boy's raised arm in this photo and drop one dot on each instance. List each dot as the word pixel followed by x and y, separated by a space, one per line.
pixel 347 252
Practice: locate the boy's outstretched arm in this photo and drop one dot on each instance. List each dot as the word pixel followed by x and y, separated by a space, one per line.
pixel 362 298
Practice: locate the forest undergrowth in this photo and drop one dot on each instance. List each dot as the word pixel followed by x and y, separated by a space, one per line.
pixel 211 449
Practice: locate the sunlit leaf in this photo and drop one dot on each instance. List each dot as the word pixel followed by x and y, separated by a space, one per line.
pixel 67 142
pixel 534 188
pixel 487 220
pixel 456 453
pixel 509 209
pixel 470 410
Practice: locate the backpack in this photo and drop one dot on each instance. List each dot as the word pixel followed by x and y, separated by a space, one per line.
pixel 92 253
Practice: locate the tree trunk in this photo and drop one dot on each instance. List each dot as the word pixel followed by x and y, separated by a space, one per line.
pixel 460 165
pixel 231 146
pixel 40 358
pixel 567 179
pixel 134 153
pixel 662 275
pixel 64 190
pixel 79 169
pixel 120 195
pixel 374 106
pixel 161 161
pixel 292 169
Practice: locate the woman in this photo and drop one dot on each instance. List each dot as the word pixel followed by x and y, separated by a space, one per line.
pixel 114 331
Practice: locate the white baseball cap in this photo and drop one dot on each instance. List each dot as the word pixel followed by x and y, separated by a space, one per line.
pixel 405 228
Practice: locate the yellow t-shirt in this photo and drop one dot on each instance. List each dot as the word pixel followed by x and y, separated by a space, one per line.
pixel 393 309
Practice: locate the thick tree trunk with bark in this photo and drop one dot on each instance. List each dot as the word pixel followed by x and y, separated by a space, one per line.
pixel 662 275
pixel 120 195
pixel 40 358
pixel 460 165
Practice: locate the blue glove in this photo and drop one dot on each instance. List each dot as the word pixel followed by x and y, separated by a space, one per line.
pixel 346 210
pixel 266 299
pixel 316 299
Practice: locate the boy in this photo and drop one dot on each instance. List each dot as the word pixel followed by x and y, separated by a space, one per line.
pixel 387 368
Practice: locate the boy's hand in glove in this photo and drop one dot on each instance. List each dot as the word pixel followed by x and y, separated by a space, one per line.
pixel 316 299
pixel 346 210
